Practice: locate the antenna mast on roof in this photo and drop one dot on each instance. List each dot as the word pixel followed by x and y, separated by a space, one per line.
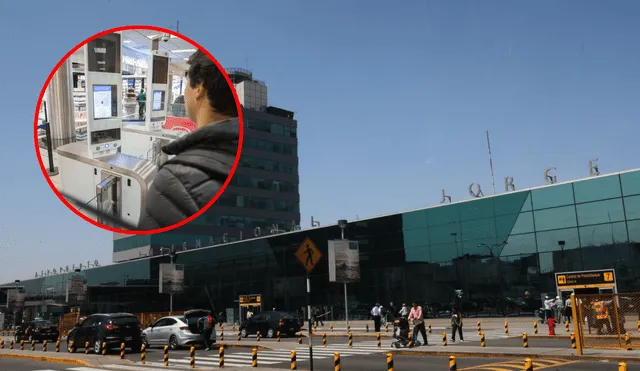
pixel 178 26
pixel 493 178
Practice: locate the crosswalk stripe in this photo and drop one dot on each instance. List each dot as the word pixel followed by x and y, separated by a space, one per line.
pixel 147 367
pixel 181 367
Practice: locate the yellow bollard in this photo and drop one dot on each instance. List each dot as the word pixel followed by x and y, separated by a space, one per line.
pixel 506 328
pixel 386 327
pixel 429 327
pixel 573 341
pixel 165 356
pixel 525 340
pixel 324 339
pixel 638 326
pixel 143 354
pixel 11 345
pixel 444 339
pixel 57 346
pixel 622 366
pixel 479 328
pixel 33 345
pixel 254 357
pixel 278 336
pixel 21 344
pixel 72 346
pixel 222 335
pixel 410 339
pixel 122 351
pixel 294 361
pixel 535 328
pixel 336 361
pixel 300 338
pixel 258 336
pixel 86 347
pixel 379 341
pixel 350 340
pixel 452 364
pixel 528 364
pixel 483 343
pixel 44 346
pixel 239 336
pixel 331 328
pixel 221 356
pixel 566 326
pixel 1 343
pixel 367 327
pixel 627 341
pixel 390 362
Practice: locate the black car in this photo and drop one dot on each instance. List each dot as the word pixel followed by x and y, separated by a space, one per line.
pixel 269 323
pixel 38 330
pixel 112 329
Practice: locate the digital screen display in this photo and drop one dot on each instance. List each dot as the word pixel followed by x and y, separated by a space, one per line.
pixel 104 102
pixel 105 136
pixel 158 100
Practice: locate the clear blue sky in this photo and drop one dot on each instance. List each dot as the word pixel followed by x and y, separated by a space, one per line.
pixel 393 100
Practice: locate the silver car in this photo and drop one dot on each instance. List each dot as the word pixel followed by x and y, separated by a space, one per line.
pixel 175 331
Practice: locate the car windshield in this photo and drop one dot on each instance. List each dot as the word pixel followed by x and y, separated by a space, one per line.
pixel 287 315
pixel 126 320
pixel 42 324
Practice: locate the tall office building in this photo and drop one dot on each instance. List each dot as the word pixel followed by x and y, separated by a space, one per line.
pixel 263 196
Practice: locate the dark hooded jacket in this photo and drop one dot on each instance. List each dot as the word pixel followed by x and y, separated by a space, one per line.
pixel 186 183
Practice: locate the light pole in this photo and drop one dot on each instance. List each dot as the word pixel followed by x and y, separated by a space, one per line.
pixel 342 223
pixel 172 255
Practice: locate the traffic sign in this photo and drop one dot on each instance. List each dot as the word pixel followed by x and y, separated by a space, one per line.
pixel 604 278
pixel 308 254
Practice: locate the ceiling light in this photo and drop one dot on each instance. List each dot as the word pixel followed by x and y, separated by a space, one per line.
pixel 183 51
pixel 127 41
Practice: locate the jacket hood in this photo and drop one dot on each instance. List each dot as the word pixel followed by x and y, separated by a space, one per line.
pixel 223 135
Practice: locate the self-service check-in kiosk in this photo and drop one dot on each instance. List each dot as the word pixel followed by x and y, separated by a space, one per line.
pixel 147 141
pixel 96 172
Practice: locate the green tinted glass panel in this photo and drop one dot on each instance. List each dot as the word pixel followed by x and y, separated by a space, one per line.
pixel 596 189
pixel 514 224
pixel 132 242
pixel 600 212
pixel 416 238
pixel 630 183
pixel 519 244
pixel 444 253
pixel 632 207
pixel 560 217
pixel 420 254
pixel 443 215
pixel 512 203
pixel 477 229
pixel 634 230
pixel 552 196
pixel 476 209
pixel 481 246
pixel 442 234
pixel 414 219
pixel 549 241
pixel 603 234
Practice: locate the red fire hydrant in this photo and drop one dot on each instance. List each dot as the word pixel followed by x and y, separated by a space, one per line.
pixel 551 322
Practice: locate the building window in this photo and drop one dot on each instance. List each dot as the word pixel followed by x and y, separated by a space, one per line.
pixel 632 207
pixel 599 212
pixel 265 145
pixel 268 165
pixel 558 240
pixel 596 189
pixel 630 183
pixel 552 196
pixel 556 218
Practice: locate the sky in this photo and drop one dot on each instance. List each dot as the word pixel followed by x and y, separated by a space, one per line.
pixel 392 99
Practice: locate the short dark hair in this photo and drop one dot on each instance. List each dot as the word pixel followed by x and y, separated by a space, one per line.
pixel 203 71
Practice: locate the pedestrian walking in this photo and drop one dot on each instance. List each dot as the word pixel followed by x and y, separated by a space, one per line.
pixel 377 317
pixel 416 319
pixel 404 311
pixel 567 310
pixel 456 325
pixel 559 306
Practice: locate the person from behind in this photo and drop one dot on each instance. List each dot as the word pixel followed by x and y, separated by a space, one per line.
pixel 203 158
pixel 404 311
pixel 416 319
pixel 559 306
pixel 376 314
pixel 547 308
pixel 456 325
pixel 142 102
pixel 206 324
pixel 567 310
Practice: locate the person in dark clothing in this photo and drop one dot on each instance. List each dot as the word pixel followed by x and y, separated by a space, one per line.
pixel 142 101
pixel 204 158
pixel 456 324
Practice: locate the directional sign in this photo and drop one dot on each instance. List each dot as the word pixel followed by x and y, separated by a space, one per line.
pixel 586 280
pixel 308 254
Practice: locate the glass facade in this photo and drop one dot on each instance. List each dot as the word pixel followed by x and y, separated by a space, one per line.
pixel 494 249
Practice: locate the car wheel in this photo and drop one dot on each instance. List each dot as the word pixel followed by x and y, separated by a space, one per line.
pixel 173 342
pixel 244 333
pixel 270 333
pixel 97 346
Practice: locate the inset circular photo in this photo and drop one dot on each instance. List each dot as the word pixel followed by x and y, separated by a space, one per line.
pixel 138 130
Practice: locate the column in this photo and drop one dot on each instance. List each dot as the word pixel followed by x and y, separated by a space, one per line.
pixel 60 107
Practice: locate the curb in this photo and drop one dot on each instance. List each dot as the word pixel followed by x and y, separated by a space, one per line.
pixel 65 361
pixel 518 356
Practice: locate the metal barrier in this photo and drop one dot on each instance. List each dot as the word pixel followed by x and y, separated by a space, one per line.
pixel 608 320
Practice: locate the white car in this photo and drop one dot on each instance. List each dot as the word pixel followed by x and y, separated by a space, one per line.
pixel 176 331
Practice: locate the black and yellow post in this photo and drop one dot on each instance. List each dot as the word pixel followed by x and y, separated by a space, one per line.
pixel 1 343
pixel 483 343
pixel 410 339
pixel 220 362
pixel 336 361
pixel 429 327
pixel 453 366
pixel 627 341
pixel 72 346
pixel 143 354
pixel 104 348
pixel 315 328
pixel 525 340
pixel 506 328
pixel 444 339
pixel 378 339
pixel 479 328
pixel 57 346
pixel 239 336
pixel 300 338
pixel 254 357
pixel 386 327
pixel 566 326
pixel 166 356
pixel 367 327
pixel 21 344
pixel 622 366
pixel 86 347
pixel 535 327
pixel 233 329
pixel 331 328
pixel 294 360
pixel 350 340
pixel 528 364
pixel 638 326
pixel 278 336
pixel 44 346
pixel 324 339
pixel 33 345
pixel 122 352
pixel 222 335
pixel 349 328
pixel 258 336
pixel 11 345
pixel 573 341
pixel 390 362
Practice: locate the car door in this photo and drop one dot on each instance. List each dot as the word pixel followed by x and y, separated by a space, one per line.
pixel 83 331
pixel 168 329
pixel 152 335
pixel 262 324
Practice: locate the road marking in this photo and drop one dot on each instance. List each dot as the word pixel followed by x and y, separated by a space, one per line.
pixel 538 364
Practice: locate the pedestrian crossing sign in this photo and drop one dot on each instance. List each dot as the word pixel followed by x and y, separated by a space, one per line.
pixel 308 254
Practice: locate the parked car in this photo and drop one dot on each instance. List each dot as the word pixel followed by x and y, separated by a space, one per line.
pixel 269 323
pixel 38 330
pixel 111 328
pixel 175 331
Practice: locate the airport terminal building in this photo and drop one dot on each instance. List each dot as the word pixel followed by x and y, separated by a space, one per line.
pixel 496 249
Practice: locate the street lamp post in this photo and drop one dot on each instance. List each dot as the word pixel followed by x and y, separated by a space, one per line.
pixel 342 223
pixel 172 255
